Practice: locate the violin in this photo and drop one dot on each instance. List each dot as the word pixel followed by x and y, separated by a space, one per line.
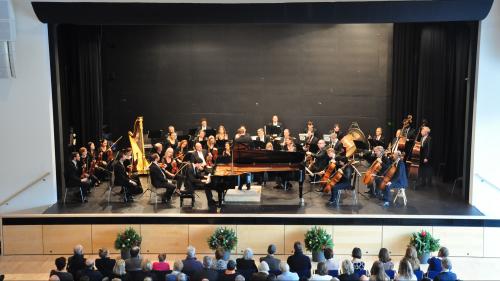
pixel 326 176
pixel 371 173
pixel 175 168
pixel 388 175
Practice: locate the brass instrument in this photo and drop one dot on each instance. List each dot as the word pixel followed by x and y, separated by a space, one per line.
pixel 137 143
pixel 353 134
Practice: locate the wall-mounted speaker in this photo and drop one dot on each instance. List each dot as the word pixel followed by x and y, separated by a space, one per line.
pixel 7 39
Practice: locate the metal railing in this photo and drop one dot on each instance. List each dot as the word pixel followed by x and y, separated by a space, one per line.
pixel 482 179
pixel 30 184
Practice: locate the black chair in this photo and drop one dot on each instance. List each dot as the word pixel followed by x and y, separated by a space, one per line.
pixel 73 187
pixel 161 275
pixel 186 194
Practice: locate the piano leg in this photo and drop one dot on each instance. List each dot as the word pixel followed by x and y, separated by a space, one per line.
pixel 301 187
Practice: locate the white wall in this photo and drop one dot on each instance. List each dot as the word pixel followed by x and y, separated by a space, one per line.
pixel 486 151
pixel 27 142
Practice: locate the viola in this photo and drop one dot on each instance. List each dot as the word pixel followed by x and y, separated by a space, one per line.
pixel 388 175
pixel 372 172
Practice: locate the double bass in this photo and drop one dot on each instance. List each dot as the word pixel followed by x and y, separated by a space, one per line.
pixel 388 175
pixel 404 135
pixel 414 160
pixel 372 172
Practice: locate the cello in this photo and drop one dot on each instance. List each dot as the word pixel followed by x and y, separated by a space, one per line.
pixel 372 172
pixel 388 175
pixel 331 182
pixel 326 176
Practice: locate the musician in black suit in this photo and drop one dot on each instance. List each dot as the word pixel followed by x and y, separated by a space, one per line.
pixel 203 126
pixel 394 144
pixel 199 154
pixel 336 129
pixel 275 127
pixel 73 175
pixel 310 129
pixel 345 181
pixel 159 178
pixel 336 144
pixel 242 136
pixel 195 178
pixel 425 168
pixel 321 158
pixel 378 136
pixel 377 153
pixel 158 149
pixel 132 187
pixel 262 137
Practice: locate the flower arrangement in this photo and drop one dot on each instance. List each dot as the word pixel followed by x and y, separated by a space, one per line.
pixel 317 239
pixel 127 239
pixel 223 237
pixel 424 242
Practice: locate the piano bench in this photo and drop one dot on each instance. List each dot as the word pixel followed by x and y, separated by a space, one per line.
pixel 187 194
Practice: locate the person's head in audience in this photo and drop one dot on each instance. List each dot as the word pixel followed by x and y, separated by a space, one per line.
pixel 178 265
pixel 321 269
pixel 162 257
pixel 103 253
pixel 207 262
pixel 263 267
pixel 231 266
pixel 191 252
pixel 328 252
pixel 363 278
pixel 54 278
pixel 297 247
pixel 411 254
pixel 85 278
pixel 378 270
pixel 134 251
pixel 147 266
pixel 182 277
pixel 148 279
pixel 239 278
pixel 347 267
pixel 284 267
pixel 271 249
pixel 219 253
pixel 78 250
pixel 248 254
pixel 89 263
pixel 443 252
pixel 335 279
pixel 60 263
pixel 383 255
pixel 446 264
pixel 356 253
pixel 405 270
pixel 119 268
pixel 115 279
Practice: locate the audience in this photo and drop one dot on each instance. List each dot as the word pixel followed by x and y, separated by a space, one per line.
pixel 321 273
pixel 207 272
pixel 54 278
pixel 220 263
pixel 298 262
pixel 412 258
pixel 147 267
pixel 90 272
pixel 119 271
pixel 134 263
pixel 76 263
pixel 377 272
pixel 286 275
pixel 330 261
pixel 405 272
pixel 245 265
pixel 161 264
pixel 59 271
pixel 274 263
pixel 263 273
pixel 178 267
pixel 385 259
pixel 230 273
pixel 435 262
pixel 356 259
pixel 104 263
pixel 348 273
pixel 239 278
pixel 182 277
pixel 446 274
pixel 191 265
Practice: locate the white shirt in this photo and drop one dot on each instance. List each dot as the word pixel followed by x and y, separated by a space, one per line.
pixel 200 154
pixel 423 139
pixel 399 278
pixel 332 264
pixel 317 277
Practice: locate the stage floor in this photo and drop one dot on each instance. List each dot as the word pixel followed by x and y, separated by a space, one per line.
pixel 430 201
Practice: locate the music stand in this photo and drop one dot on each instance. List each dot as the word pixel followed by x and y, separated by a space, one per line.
pixel 302 137
pixel 210 132
pixel 327 138
pixel 192 132
pixel 273 130
pixel 374 143
pixel 183 137
pixel 360 145
pixel 259 144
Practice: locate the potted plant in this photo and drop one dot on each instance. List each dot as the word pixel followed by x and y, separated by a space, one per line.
pixel 425 244
pixel 316 240
pixel 225 238
pixel 126 240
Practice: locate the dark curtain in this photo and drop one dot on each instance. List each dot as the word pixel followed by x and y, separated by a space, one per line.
pixel 79 49
pixel 433 66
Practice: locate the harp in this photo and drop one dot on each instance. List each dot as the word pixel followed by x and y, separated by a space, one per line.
pixel 137 143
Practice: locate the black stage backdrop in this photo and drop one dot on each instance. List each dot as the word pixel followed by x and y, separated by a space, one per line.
pixel 433 74
pixel 235 74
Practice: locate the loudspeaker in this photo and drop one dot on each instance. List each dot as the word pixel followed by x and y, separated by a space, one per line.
pixel 7 38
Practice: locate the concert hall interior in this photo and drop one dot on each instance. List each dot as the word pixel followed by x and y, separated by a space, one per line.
pixel 368 118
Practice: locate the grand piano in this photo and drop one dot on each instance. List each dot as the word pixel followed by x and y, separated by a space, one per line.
pixel 246 159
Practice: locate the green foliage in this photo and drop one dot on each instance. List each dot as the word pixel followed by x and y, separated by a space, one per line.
pixel 317 239
pixel 127 239
pixel 223 237
pixel 424 242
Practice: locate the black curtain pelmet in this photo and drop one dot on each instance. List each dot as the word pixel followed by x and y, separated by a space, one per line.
pixel 433 66
pixel 81 81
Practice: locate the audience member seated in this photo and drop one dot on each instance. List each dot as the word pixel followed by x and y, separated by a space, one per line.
pixel 207 272
pixel 385 259
pixel 178 267
pixel 59 271
pixel 348 273
pixel 363 278
pixel 76 263
pixel 405 272
pixel 230 273
pixel 105 264
pixel 54 278
pixel 446 274
pixel 134 263
pixel 220 263
pixel 239 278
pixel 245 265
pixel 263 273
pixel 321 273
pixel 298 262
pixel 191 265
pixel 274 263
pixel 356 259
pixel 435 262
pixel 182 277
pixel 377 272
pixel 147 267
pixel 161 264
pixel 119 270
pixel 90 272
pixel 330 261
pixel 286 275
pixel 411 256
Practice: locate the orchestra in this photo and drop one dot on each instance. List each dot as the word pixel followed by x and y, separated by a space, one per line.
pixel 330 159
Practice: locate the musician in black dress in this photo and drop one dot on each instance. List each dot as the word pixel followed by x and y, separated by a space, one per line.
pixel 131 186
pixel 425 168
pixel 171 141
pixel 88 163
pixel 275 128
pixel 173 167
pixel 159 178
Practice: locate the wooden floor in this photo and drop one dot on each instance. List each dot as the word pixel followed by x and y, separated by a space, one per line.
pixel 38 267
